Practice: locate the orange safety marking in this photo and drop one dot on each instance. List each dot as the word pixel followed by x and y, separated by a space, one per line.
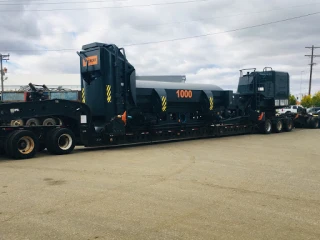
pixel 261 116
pixel 92 60
pixel 124 117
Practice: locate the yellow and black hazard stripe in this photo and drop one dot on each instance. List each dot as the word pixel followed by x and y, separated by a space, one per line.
pixel 164 103
pixel 211 103
pixel 108 93
pixel 83 96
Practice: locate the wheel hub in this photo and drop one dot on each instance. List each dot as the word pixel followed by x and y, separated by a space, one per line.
pixel 268 127
pixel 279 125
pixel 25 145
pixel 65 141
pixel 22 144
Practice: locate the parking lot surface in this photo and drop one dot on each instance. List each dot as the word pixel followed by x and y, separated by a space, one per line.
pixel 239 187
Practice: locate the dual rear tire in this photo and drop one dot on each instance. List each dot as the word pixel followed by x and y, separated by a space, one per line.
pixel 60 141
pixel 313 123
pixel 21 144
pixel 288 125
pixel 24 144
pixel 266 127
pixel 278 126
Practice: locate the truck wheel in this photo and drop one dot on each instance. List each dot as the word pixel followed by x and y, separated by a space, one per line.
pixel 288 125
pixel 7 144
pixel 60 141
pixel 278 126
pixel 267 127
pixel 60 122
pixel 22 144
pixel 33 122
pixel 49 122
pixel 17 122
pixel 314 123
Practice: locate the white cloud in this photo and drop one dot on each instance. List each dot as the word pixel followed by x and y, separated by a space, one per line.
pixel 214 59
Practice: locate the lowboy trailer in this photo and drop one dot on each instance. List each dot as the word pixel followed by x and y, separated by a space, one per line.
pixel 118 109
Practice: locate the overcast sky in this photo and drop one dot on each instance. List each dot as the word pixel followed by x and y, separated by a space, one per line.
pixel 215 58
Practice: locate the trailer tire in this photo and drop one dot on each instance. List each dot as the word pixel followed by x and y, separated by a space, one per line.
pixel 278 126
pixel 314 123
pixel 16 123
pixel 49 122
pixel 60 122
pixel 288 125
pixel 22 144
pixel 7 145
pixel 33 122
pixel 60 141
pixel 309 121
pixel 267 127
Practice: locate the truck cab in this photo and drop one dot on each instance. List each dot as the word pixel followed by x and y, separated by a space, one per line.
pixel 264 90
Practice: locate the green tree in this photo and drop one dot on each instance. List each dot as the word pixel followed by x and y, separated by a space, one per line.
pixel 316 99
pixel 306 101
pixel 292 100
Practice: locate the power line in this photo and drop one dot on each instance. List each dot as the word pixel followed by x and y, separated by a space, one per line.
pixel 23 0
pixel 181 22
pixel 41 1
pixel 228 31
pixel 17 1
pixel 108 7
pixel 235 15
pixel 183 38
pixel 74 2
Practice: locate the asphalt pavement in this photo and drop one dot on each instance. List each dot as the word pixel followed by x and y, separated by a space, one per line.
pixel 239 187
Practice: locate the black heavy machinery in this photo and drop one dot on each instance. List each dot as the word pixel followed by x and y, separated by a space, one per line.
pixel 117 109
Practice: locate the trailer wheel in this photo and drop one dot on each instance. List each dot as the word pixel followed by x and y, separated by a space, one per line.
pixel 33 122
pixel 22 144
pixel 7 145
pixel 267 126
pixel 278 126
pixel 314 123
pixel 288 125
pixel 60 122
pixel 309 121
pixel 60 141
pixel 17 122
pixel 49 122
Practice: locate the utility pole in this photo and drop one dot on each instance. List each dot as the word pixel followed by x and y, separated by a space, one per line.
pixel 3 71
pixel 300 85
pixel 311 64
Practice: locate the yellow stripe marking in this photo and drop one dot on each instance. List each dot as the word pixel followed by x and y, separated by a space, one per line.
pixel 211 103
pixel 108 93
pixel 83 96
pixel 164 103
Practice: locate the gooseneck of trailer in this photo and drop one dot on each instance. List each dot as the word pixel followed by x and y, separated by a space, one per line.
pixel 117 109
